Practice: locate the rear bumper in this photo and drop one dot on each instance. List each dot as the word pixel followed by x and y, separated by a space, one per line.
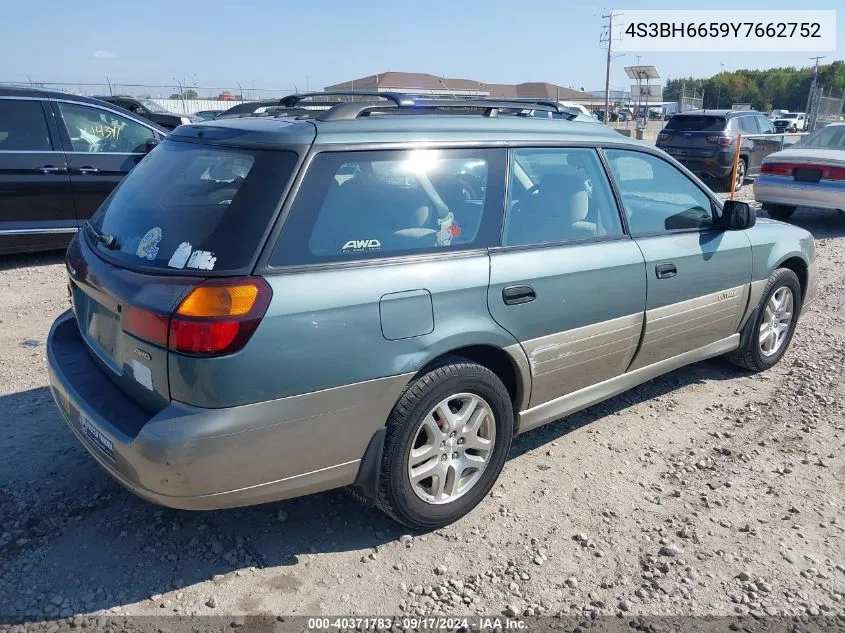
pixel 202 459
pixel 718 165
pixel 785 191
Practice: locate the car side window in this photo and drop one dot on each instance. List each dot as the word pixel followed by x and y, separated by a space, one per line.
pixel 23 127
pixel 557 195
pixel 97 130
pixel 363 205
pixel 766 126
pixel 748 125
pixel 657 197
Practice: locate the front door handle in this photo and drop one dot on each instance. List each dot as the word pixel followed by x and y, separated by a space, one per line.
pixel 514 295
pixel 88 170
pixel 665 271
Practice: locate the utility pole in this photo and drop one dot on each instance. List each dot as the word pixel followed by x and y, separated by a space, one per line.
pixel 607 39
pixel 807 112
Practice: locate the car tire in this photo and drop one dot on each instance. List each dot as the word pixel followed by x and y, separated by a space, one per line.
pixel 741 172
pixel 414 425
pixel 779 211
pixel 752 353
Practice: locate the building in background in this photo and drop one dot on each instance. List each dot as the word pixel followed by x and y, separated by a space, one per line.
pixel 423 83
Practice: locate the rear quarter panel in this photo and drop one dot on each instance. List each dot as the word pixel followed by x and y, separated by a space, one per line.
pixel 326 328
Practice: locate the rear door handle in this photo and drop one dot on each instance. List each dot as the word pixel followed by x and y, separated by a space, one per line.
pixel 514 295
pixel 665 271
pixel 50 169
pixel 88 170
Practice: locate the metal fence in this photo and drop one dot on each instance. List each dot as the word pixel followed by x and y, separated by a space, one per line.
pixel 691 103
pixel 827 110
pixel 189 106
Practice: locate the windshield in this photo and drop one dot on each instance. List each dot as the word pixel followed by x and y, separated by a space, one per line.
pixel 789 115
pixel 830 137
pixel 193 206
pixel 152 106
pixel 694 123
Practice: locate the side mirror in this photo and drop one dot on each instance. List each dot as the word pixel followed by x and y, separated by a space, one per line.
pixel 737 216
pixel 150 145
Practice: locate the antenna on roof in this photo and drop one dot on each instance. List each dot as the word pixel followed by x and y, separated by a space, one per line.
pixel 443 83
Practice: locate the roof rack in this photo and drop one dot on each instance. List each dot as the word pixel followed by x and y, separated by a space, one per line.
pixel 408 103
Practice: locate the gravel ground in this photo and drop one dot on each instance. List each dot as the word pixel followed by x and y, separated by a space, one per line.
pixel 707 491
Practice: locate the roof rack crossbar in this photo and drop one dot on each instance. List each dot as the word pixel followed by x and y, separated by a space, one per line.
pixel 348 111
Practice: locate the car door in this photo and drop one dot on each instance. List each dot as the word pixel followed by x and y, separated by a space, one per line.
pixel 566 282
pixel 36 202
pixel 698 278
pixel 102 147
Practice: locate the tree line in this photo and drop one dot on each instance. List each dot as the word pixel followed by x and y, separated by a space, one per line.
pixel 782 88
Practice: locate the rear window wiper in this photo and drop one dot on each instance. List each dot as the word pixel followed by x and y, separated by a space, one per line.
pixel 106 239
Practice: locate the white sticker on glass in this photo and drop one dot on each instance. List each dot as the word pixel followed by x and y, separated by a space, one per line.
pixel 143 375
pixel 203 260
pixel 148 248
pixel 180 256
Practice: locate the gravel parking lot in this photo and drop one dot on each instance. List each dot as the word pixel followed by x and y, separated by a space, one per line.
pixel 706 491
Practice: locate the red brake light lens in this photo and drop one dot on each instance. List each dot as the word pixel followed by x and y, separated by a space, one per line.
pixel 788 169
pixel 146 325
pixel 663 137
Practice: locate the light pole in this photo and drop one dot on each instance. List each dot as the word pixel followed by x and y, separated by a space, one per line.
pixel 719 92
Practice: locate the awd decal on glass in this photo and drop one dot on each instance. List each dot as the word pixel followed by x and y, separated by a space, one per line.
pixel 180 256
pixel 148 248
pixel 357 246
pixel 203 260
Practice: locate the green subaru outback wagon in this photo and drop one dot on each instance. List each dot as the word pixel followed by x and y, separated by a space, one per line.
pixel 380 295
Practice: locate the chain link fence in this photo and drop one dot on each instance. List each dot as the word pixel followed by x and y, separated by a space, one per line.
pixel 691 103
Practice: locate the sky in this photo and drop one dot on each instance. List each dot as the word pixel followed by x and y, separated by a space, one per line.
pixel 277 44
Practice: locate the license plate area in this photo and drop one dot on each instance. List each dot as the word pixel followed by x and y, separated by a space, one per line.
pixel 96 436
pixel 807 174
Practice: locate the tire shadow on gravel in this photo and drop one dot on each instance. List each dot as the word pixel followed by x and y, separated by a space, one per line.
pixel 823 224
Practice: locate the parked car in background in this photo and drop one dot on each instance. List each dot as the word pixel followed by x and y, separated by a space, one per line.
pixel 60 156
pixel 774 114
pixel 791 122
pixel 207 115
pixel 150 110
pixel 705 142
pixel 811 173
pixel 496 272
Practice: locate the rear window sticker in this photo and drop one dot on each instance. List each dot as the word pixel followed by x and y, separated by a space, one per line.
pixel 202 260
pixel 357 246
pixel 180 256
pixel 148 248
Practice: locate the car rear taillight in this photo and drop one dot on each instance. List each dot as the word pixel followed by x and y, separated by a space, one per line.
pixel 217 316
pixel 788 169
pixel 721 141
pixel 146 325
pixel 663 137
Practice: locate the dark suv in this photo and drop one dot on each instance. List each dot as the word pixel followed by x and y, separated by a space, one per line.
pixel 60 156
pixel 705 142
pixel 150 110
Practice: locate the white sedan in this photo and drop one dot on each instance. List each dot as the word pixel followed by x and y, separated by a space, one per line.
pixel 811 173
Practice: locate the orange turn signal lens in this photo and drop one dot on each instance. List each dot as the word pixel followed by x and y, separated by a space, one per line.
pixel 219 301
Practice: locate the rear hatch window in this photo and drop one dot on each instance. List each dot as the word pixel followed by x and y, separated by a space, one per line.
pixel 694 123
pixel 191 207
